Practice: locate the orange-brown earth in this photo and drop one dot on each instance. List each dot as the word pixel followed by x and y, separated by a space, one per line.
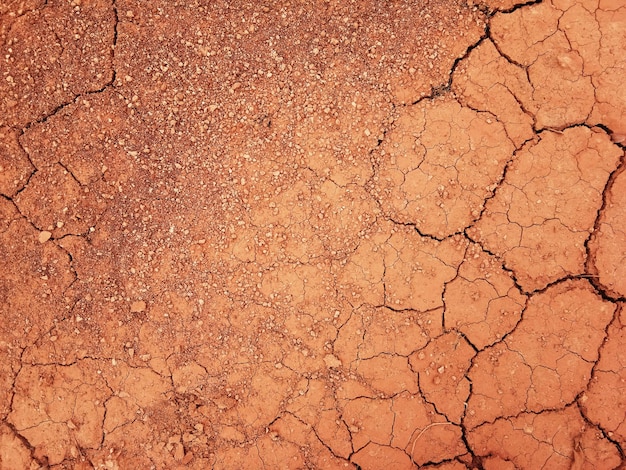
pixel 329 234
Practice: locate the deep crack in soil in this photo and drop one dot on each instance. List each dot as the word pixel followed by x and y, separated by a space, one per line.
pixel 312 235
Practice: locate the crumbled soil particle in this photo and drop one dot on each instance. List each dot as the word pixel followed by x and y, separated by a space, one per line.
pixel 325 235
pixel 52 52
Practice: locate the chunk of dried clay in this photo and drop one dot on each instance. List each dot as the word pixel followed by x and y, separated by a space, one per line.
pixel 482 302
pixel 608 258
pixel 562 93
pixel 439 164
pixel 544 363
pixel 604 402
pixel 487 81
pixel 553 439
pixel 542 214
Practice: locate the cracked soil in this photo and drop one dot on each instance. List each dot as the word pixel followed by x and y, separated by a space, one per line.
pixel 326 234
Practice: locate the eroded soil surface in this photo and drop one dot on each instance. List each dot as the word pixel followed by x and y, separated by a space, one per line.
pixel 322 234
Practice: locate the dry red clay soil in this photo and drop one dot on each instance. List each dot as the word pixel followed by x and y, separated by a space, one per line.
pixel 323 235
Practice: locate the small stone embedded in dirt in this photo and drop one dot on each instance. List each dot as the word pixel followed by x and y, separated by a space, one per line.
pixel 44 236
pixel 138 306
pixel 332 361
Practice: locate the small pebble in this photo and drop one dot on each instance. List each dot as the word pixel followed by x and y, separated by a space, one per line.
pixel 44 236
pixel 138 306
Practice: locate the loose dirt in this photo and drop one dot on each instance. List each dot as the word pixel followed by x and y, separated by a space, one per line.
pixel 312 234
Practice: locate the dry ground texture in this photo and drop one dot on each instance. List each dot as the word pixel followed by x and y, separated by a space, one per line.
pixel 326 234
